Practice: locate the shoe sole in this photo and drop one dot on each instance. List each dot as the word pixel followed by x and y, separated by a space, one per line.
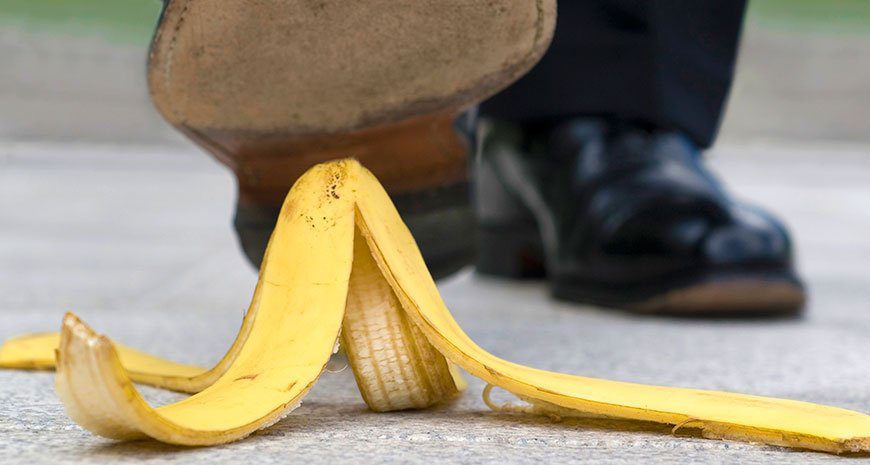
pixel 272 89
pixel 516 252
pixel 716 295
pixel 331 66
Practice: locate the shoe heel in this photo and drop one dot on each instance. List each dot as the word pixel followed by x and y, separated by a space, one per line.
pixel 510 251
pixel 509 243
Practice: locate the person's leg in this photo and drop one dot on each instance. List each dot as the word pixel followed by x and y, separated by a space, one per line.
pixel 668 63
pixel 591 171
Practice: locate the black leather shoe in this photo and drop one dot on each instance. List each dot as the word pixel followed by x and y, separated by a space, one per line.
pixel 624 216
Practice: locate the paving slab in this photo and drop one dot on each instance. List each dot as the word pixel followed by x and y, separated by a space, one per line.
pixel 137 240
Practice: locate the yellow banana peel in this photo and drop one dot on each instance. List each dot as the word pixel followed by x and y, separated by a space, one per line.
pixel 342 265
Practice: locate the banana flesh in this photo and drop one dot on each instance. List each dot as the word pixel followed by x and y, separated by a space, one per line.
pixel 394 365
pixel 342 265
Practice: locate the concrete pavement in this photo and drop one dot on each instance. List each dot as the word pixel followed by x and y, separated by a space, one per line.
pixel 137 240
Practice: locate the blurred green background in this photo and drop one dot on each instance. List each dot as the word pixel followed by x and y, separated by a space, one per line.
pixel 133 20
pixel 126 20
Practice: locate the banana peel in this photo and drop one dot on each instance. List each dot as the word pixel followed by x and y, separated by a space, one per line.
pixel 37 352
pixel 341 265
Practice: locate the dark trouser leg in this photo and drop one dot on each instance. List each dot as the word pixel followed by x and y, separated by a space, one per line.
pixel 668 63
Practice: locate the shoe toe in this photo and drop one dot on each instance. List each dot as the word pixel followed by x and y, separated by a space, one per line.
pixel 752 238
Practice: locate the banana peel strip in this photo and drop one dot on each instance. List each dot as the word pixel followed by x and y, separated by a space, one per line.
pixel 340 256
pixel 37 352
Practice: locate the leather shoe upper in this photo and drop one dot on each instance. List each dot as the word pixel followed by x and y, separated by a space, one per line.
pixel 627 204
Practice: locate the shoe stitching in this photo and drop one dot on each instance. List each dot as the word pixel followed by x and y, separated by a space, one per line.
pixel 170 55
pixel 539 24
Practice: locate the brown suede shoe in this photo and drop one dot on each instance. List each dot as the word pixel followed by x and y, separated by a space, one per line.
pixel 272 88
